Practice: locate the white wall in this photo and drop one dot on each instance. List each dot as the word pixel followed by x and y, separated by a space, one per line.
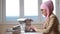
pixel 0 11
pixel 58 9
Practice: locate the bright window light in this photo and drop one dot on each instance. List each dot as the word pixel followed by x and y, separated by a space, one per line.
pixel 12 9
pixel 31 9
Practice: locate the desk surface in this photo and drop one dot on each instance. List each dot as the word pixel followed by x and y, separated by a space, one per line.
pixel 33 33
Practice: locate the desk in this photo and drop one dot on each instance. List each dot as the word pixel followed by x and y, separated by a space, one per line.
pixel 33 33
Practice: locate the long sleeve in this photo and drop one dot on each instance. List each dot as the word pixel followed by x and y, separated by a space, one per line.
pixel 51 22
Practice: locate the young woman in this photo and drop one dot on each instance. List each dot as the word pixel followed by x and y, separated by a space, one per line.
pixel 51 23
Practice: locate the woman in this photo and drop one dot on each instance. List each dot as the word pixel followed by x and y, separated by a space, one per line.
pixel 51 23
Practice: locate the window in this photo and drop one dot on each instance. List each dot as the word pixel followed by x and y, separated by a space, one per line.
pixel 31 9
pixel 12 9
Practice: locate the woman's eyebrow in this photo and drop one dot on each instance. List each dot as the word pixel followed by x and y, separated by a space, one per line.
pixel 41 9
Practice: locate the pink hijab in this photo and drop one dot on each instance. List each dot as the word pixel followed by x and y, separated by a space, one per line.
pixel 48 5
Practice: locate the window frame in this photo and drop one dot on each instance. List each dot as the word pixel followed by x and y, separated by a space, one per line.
pixel 21 14
pixel 22 11
pixel 21 3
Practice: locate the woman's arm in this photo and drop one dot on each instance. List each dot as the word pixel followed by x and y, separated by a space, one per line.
pixel 51 22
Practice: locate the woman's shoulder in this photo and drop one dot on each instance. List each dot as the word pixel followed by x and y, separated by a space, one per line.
pixel 53 16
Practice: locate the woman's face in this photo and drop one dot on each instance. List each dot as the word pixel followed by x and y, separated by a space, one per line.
pixel 44 12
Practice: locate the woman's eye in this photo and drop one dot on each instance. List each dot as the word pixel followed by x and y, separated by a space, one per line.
pixel 41 9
